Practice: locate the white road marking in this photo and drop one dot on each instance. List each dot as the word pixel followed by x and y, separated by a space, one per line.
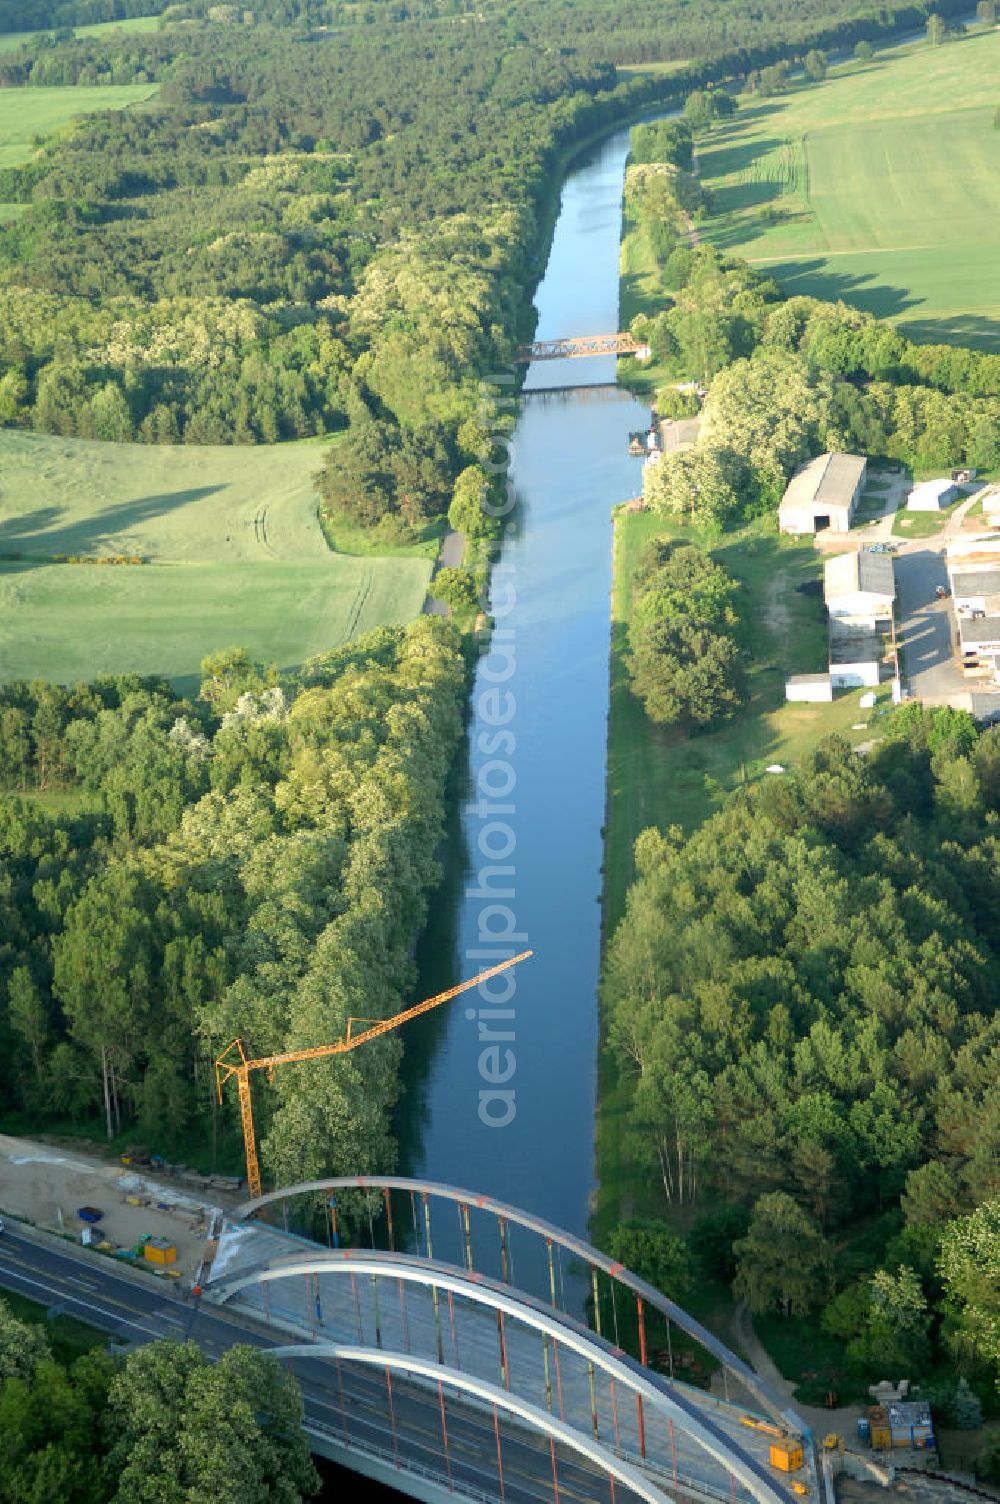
pixel 66 1299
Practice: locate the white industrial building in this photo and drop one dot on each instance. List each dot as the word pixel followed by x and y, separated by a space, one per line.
pixel 932 496
pixel 857 652
pixel 823 494
pixel 974 576
pixel 990 499
pixel 859 587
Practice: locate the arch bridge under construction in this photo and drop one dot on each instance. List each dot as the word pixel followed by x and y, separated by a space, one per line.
pixel 472 1350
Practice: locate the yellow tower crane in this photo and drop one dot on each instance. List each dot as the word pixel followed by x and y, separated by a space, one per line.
pixel 234 1060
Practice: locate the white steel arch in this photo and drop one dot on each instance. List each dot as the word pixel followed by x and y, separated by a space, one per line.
pixel 772 1403
pixel 502 1399
pixel 480 1290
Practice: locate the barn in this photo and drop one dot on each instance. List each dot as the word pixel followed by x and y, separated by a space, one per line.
pixel 859 587
pixel 823 494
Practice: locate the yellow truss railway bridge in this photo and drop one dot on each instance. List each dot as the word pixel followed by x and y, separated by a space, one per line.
pixel 581 345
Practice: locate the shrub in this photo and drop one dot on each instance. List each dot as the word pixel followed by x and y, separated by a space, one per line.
pixel 456 588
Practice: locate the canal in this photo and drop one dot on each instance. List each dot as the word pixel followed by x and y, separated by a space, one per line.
pixel 503 1095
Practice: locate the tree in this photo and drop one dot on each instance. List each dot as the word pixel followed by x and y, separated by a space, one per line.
pixel 815 64
pixel 684 672
pixel 471 495
pixel 775 412
pixel 898 1323
pixel 968 1262
pixel 987 1463
pixel 986 11
pixel 704 106
pixel 110 416
pixel 783 1262
pixel 966 1411
pixel 104 976
pixel 456 587
pixel 22 1346
pixel 13 395
pixel 179 1427
pixel 712 1240
pixel 684 664
pixel 932 1195
pixel 864 51
pixel 652 1252
pixel 937 29
pixel 51 1424
pixel 695 485
pixel 774 78
pixel 28 1018
pixel 227 674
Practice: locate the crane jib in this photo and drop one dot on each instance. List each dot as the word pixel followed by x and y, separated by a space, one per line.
pixel 226 1066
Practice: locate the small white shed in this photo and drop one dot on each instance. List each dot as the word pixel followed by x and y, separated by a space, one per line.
pixel 931 496
pixel 808 689
pixel 855 675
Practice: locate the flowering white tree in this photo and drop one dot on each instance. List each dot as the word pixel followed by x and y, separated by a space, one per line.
pixel 969 1264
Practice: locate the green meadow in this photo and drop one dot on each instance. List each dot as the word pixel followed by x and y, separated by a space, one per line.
pixel 880 185
pixel 233 551
pixel 9 40
pixel 26 114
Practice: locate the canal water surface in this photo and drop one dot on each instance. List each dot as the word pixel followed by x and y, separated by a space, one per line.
pixel 534 791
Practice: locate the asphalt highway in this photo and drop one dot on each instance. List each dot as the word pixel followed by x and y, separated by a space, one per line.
pixel 349 1408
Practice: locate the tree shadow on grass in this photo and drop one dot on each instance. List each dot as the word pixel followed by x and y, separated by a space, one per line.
pixel 970 329
pixel 815 278
pixel 37 533
pixel 723 160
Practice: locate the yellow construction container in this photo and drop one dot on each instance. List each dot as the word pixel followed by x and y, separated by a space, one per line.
pixel 786 1455
pixel 881 1435
pixel 159 1251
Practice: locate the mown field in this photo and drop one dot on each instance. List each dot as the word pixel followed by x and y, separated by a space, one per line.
pixel 234 555
pixel 9 40
pixel 28 113
pixel 880 185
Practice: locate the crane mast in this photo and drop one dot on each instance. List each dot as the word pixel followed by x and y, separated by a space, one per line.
pixel 234 1060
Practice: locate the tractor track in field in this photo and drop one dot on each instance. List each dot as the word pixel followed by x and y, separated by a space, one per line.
pixel 358 605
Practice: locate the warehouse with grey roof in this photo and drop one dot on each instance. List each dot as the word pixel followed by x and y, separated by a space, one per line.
pixel 823 494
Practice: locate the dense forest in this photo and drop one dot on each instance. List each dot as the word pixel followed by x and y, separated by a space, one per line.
pixel 256 862
pixel 804 992
pixel 329 217
pixel 166 1423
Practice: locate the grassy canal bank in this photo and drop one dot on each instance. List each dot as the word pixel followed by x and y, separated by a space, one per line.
pixel 758 207
pixel 662 776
